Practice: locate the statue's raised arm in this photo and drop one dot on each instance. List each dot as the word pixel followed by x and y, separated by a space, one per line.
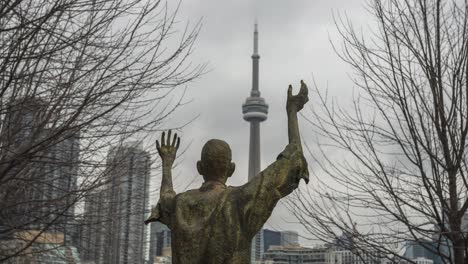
pixel 294 104
pixel 282 176
pixel 167 150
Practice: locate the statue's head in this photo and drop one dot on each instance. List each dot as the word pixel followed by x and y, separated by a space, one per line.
pixel 215 163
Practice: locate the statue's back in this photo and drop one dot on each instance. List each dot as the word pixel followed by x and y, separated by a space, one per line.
pixel 209 227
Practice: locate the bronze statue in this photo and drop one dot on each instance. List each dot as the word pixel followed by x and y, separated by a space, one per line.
pixel 215 224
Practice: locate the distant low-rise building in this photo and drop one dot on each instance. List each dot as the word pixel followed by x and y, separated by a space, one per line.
pixel 289 238
pixel 45 248
pixel 161 260
pixel 428 249
pixel 160 240
pixel 270 238
pixel 267 238
pixel 423 261
pixel 295 255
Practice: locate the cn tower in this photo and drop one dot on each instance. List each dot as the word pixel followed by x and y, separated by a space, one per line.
pixel 255 110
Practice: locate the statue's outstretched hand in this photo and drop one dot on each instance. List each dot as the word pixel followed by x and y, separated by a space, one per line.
pixel 297 102
pixel 155 215
pixel 167 150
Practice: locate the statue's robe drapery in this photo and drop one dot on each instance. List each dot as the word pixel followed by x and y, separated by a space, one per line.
pixel 216 224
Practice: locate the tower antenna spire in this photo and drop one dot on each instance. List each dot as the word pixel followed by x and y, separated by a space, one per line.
pixel 255 51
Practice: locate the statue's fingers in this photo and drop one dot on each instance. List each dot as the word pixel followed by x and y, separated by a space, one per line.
pixel 174 140
pixel 158 147
pixel 304 90
pixel 290 91
pixel 305 170
pixel 169 138
pixel 306 179
pixel 163 137
pixel 178 143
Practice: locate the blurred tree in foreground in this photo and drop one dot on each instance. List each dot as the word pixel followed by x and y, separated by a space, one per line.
pixel 78 76
pixel 402 169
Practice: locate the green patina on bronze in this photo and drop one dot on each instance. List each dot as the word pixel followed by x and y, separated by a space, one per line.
pixel 215 224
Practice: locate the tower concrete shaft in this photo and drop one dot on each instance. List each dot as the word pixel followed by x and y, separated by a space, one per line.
pixel 255 110
pixel 254 149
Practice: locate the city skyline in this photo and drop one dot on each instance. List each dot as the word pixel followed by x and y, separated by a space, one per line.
pixel 383 133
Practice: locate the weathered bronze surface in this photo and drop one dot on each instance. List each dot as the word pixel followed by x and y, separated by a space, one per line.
pixel 215 224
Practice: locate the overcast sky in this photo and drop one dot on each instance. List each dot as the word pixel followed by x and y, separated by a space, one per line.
pixel 294 44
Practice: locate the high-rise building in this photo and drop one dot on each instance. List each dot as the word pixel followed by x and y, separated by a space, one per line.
pixel 257 249
pixel 60 177
pixel 255 110
pixel 93 226
pixel 23 124
pixel 116 212
pixel 41 168
pixel 130 168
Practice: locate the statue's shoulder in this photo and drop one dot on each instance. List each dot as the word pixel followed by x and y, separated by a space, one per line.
pixel 291 151
pixel 187 194
pixel 236 190
pixel 231 189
